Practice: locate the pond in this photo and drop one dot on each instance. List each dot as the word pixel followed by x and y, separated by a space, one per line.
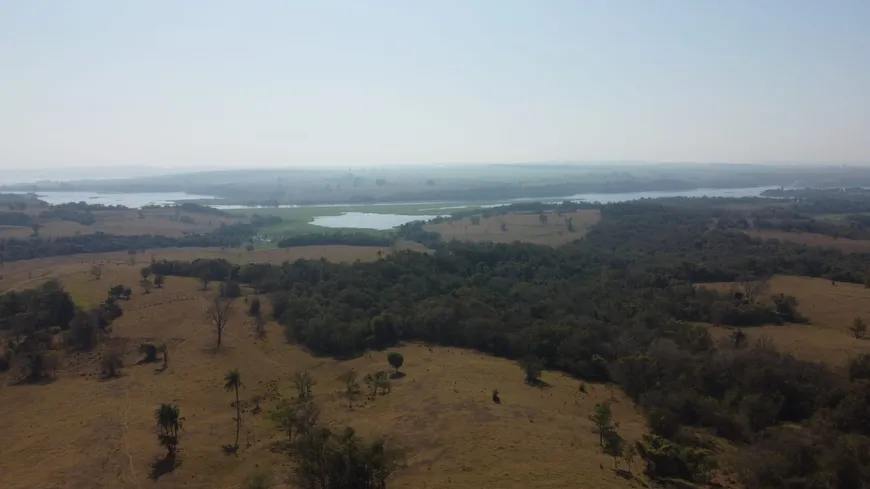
pixel 366 220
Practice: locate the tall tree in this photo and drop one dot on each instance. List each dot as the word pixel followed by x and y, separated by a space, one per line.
pixel 351 386
pixel 396 360
pixel 303 382
pixel 232 382
pixel 858 328
pixel 602 418
pixel 218 311
pixel 168 419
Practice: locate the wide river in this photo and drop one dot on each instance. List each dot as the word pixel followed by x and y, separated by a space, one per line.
pixel 374 219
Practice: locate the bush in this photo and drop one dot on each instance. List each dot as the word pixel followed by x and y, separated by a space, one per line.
pixel 230 289
pixel 112 362
pixel 254 308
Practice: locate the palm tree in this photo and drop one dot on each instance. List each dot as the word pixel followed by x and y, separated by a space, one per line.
pixel 232 381
pixel 168 424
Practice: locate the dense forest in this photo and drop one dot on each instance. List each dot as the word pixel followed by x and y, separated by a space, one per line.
pixel 618 306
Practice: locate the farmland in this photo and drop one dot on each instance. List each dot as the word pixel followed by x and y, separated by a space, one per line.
pixel 81 432
pixel 830 310
pixel 526 227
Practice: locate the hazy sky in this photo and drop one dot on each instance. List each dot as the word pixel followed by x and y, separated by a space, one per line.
pixel 268 83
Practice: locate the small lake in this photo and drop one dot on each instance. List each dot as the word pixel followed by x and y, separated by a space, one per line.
pixel 134 200
pixel 366 220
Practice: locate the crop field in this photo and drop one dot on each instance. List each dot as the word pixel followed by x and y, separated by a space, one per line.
pixel 83 432
pixel 526 227
pixel 830 309
pixel 812 239
pixel 153 221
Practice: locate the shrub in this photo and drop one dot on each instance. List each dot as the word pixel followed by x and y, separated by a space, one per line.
pixel 112 362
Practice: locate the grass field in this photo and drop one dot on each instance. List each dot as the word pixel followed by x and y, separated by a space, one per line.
pixel 811 239
pixel 520 227
pixel 155 221
pixel 27 273
pixel 830 309
pixel 80 432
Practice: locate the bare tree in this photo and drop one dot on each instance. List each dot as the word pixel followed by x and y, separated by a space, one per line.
pixel 96 271
pixel 218 312
pixel 753 287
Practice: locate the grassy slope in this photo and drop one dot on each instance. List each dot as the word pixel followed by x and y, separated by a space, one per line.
pixel 520 227
pixel 830 308
pixel 80 432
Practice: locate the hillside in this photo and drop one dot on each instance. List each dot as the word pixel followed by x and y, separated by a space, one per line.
pixel 85 432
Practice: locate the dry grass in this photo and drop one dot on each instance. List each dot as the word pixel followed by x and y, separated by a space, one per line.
pixel 830 308
pixel 83 433
pixel 520 227
pixel 156 221
pixel 812 239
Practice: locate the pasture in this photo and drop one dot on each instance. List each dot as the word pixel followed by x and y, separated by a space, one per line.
pixel 526 227
pixel 830 309
pixel 83 432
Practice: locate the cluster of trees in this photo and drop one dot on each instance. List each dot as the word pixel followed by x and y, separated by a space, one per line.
pixel 615 307
pixel 31 319
pixel 337 238
pixel 61 213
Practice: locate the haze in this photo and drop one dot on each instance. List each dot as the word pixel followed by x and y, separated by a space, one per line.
pixel 202 84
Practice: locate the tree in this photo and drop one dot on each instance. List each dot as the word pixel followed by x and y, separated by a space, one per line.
pixel 159 280
pixel 131 257
pixel 232 382
pixel 503 227
pixel 753 287
pixel 532 367
pixel 169 426
pixel 396 360
pixel 284 415
pixel 602 418
pixel 112 362
pixel 858 328
pixel 145 272
pixel 116 291
pixel 543 218
pixel 146 285
pixel 254 308
pixel 127 293
pixel 629 452
pixel 376 381
pixel 614 445
pixel 204 280
pixel 303 382
pixel 475 220
pixel 351 386
pixel 218 312
pixel 97 272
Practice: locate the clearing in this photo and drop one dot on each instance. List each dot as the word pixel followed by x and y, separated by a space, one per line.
pixel 81 432
pixel 830 309
pixel 527 227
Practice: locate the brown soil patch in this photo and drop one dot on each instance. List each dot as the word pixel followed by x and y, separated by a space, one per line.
pixel 525 227
pixel 812 239
pixel 830 308
pixel 83 433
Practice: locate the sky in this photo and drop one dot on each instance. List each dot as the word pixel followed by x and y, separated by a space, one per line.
pixel 220 84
